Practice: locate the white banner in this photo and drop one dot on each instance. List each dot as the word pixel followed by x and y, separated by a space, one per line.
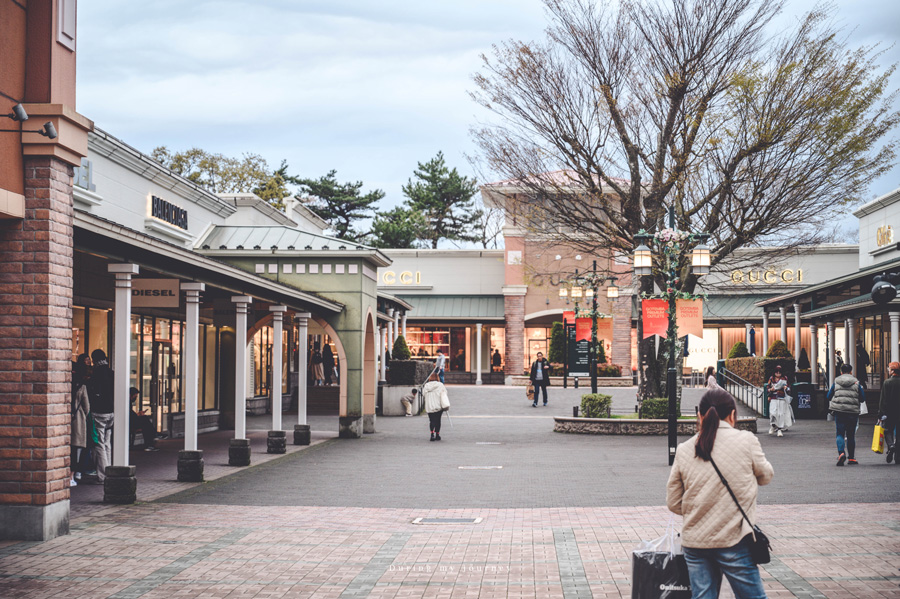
pixel 155 293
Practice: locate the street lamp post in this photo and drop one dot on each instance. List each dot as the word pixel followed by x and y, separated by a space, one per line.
pixel 669 245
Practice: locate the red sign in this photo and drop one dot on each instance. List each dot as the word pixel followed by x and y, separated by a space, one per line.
pixel 689 314
pixel 655 319
pixel 569 317
pixel 582 329
pixel 605 329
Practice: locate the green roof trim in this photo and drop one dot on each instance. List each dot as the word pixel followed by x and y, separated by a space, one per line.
pixel 726 308
pixel 455 307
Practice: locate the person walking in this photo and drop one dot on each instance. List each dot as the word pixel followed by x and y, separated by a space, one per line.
pixel 81 409
pixel 715 536
pixel 844 398
pixel 439 364
pixel 780 414
pixel 436 403
pixel 889 411
pixel 327 363
pixel 540 378
pixel 101 391
pixel 318 371
pixel 862 361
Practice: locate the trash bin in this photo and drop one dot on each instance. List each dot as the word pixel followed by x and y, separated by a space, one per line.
pixel 805 401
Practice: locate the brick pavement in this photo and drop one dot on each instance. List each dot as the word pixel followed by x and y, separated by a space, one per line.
pixel 276 540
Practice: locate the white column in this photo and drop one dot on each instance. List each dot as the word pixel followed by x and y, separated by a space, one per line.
pixel 191 361
pixel 830 361
pixel 120 363
pixel 764 342
pixel 797 332
pixel 850 344
pixel 895 336
pixel 404 325
pixel 814 354
pixel 783 312
pixel 478 353
pixel 396 325
pixel 302 320
pixel 382 343
pixel 277 350
pixel 747 336
pixel 241 307
pixel 390 338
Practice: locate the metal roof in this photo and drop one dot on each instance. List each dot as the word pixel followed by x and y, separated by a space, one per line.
pixel 456 307
pixel 726 307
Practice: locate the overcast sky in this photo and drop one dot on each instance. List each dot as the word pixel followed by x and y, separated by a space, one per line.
pixel 367 87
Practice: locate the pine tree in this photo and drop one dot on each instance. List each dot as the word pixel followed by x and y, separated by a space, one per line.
pixel 341 205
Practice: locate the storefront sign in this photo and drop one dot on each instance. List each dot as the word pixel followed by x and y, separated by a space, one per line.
pixel 154 293
pixel 769 276
pixel 605 328
pixel 654 317
pixel 884 235
pixel 163 210
pixel 405 278
pixel 689 316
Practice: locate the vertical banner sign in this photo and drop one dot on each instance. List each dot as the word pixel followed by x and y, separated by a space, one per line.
pixel 579 359
pixel 569 316
pixel 583 329
pixel 605 328
pixel 654 317
pixel 689 314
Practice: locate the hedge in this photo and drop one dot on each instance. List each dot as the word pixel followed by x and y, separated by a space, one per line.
pixel 609 370
pixel 409 372
pixel 749 369
pixel 658 408
pixel 595 405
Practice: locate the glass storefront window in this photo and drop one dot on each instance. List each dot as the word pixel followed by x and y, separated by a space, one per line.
pixel 78 338
pixel 98 330
pixel 498 344
pixel 262 361
pixel 210 346
pixel 537 339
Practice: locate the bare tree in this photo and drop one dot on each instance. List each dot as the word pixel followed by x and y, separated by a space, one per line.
pixel 629 108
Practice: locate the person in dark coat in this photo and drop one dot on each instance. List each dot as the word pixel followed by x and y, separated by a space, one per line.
pixel 540 377
pixel 496 360
pixel 862 361
pixel 889 411
pixel 328 363
pixel 102 395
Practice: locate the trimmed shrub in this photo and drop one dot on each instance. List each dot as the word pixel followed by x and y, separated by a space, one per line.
pixel 803 360
pixel 556 354
pixel 779 350
pixel 595 405
pixel 609 370
pixel 401 349
pixel 739 350
pixel 409 372
pixel 601 352
pixel 750 369
pixel 657 408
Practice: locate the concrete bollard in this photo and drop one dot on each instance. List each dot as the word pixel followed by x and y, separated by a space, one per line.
pixel 301 434
pixel 239 452
pixel 276 442
pixel 190 466
pixel 120 486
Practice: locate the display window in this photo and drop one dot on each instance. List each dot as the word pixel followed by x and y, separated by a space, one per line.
pixel 424 343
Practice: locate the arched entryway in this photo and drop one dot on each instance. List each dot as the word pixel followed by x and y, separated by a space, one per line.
pixel 370 374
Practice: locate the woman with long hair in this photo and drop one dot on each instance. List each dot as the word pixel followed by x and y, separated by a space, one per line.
pixel 711 382
pixel 715 536
pixel 81 410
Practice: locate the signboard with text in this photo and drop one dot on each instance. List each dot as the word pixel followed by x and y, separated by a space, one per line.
pixel 689 316
pixel 655 319
pixel 154 293
pixel 578 352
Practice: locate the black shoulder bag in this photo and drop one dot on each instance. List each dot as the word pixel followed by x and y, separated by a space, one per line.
pixel 759 542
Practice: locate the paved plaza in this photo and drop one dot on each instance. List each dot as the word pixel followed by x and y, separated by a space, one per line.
pixel 549 515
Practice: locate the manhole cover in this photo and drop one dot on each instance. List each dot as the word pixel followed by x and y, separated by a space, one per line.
pixel 481 467
pixel 447 520
pixel 487 443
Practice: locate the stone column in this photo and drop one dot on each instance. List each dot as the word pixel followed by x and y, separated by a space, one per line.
pixel 831 375
pixel 850 344
pixel 797 332
pixel 478 353
pixel 239 447
pixel 382 344
pixel 764 342
pixel 190 459
pixel 895 336
pixel 514 311
pixel 120 361
pixel 301 430
pixel 783 312
pixel 404 326
pixel 276 439
pixel 814 354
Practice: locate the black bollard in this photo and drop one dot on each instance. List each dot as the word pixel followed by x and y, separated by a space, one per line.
pixel 120 486
pixel 190 466
pixel 239 452
pixel 301 434
pixel 276 442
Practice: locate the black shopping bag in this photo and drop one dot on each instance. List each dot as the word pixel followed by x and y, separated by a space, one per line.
pixel 659 575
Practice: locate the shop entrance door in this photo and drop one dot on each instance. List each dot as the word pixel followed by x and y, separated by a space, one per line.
pixel 164 379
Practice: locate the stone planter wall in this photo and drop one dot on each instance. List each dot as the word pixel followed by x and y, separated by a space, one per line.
pixel 624 426
pixel 584 382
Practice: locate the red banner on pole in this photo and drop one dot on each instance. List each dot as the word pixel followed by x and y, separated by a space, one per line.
pixel 689 314
pixel 569 316
pixel 605 329
pixel 655 319
pixel 582 329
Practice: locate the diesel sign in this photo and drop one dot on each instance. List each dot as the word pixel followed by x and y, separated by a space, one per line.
pixel 163 210
pixel 154 293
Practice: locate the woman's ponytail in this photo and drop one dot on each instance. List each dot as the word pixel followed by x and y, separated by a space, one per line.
pixel 716 405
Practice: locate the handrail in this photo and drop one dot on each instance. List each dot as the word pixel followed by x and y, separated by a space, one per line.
pixel 747 393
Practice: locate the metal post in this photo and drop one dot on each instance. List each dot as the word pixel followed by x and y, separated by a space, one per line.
pixel 593 353
pixel 797 332
pixel 831 374
pixel 120 361
pixel 814 354
pixel 566 354
pixel 858 372
pixel 191 361
pixel 673 342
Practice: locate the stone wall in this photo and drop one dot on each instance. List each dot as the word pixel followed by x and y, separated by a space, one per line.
pixel 624 426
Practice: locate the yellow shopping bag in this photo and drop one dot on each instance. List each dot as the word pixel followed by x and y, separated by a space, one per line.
pixel 878 439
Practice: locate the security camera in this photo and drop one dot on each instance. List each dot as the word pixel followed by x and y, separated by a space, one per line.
pixel 884 291
pixel 49 131
pixel 18 113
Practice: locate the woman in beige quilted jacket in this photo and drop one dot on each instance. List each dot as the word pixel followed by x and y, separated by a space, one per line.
pixel 715 536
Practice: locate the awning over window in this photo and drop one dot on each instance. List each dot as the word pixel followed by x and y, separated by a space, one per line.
pixel 455 307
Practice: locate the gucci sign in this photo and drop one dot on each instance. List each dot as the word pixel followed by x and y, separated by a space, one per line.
pixel 767 277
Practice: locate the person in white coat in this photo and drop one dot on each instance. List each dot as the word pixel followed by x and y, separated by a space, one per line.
pixel 436 403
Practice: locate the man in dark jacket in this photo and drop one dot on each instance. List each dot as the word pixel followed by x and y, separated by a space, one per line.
pixel 845 396
pixel 101 389
pixel 540 377
pixel 889 410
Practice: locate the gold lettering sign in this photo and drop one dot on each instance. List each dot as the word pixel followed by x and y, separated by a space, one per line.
pixel 768 276
pixel 406 277
pixel 884 235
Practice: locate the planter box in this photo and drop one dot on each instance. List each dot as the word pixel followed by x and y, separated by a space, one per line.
pixel 584 382
pixel 624 426
pixel 390 400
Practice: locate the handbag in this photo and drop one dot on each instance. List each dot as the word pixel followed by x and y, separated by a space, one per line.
pixel 759 545
pixel 878 439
